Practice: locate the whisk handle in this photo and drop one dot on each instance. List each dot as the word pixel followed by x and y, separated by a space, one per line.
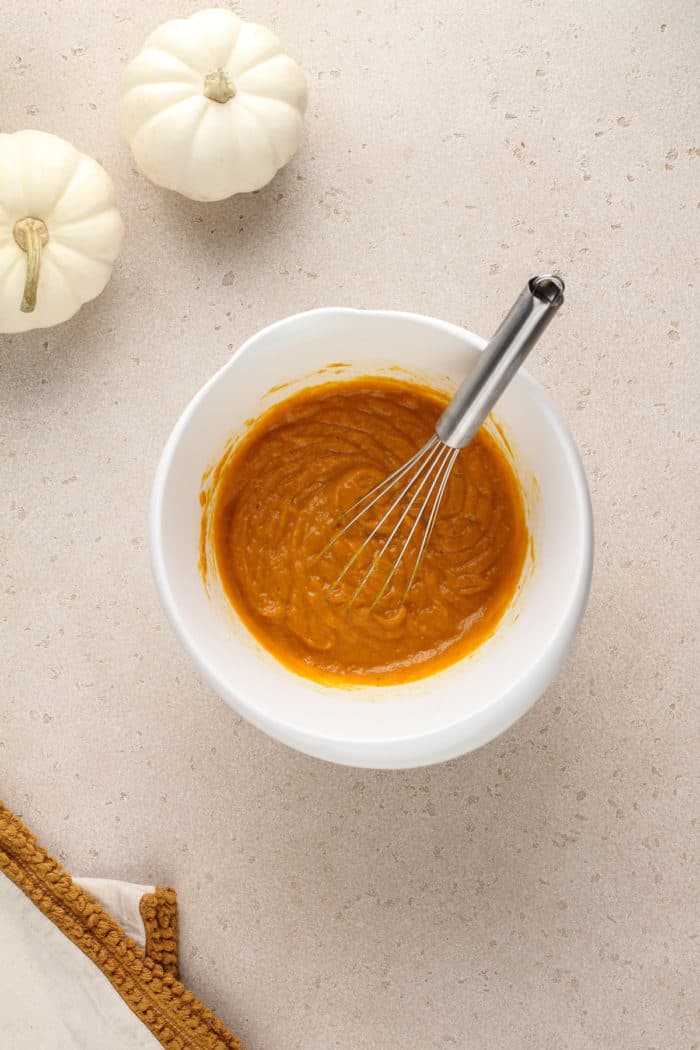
pixel 500 360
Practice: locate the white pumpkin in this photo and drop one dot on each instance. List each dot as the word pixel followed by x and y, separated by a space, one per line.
pixel 60 230
pixel 211 106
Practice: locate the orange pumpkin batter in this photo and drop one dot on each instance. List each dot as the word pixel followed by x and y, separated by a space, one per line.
pixel 273 504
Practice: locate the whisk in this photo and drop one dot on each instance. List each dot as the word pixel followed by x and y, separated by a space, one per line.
pixel 421 481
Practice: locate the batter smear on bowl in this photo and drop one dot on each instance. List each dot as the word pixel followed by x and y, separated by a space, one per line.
pixel 273 504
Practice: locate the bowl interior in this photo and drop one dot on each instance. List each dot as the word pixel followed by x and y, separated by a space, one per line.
pixel 419 722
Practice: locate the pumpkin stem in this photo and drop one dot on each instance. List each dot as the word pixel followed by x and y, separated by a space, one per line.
pixel 31 235
pixel 218 87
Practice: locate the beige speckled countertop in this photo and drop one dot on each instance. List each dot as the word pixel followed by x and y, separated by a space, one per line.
pixel 534 894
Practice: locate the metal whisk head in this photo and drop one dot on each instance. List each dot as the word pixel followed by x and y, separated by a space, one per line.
pixel 421 481
pixel 427 471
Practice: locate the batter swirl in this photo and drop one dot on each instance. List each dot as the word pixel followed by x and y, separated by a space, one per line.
pixel 273 506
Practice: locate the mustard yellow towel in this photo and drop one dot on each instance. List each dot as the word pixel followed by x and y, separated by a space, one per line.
pixel 89 963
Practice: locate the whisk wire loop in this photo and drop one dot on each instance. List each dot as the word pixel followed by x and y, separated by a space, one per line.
pixel 454 452
pixel 441 478
pixel 430 450
pixel 375 494
pixel 420 479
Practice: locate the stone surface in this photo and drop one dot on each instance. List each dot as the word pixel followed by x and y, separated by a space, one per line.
pixel 539 892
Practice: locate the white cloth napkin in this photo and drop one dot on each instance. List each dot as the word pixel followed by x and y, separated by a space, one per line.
pixel 90 964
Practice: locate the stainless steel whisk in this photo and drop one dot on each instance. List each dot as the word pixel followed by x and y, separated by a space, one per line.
pixel 429 469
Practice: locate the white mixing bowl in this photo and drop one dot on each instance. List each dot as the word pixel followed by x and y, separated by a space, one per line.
pixel 450 712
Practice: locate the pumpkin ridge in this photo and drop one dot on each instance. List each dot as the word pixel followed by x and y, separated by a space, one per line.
pixel 66 186
pixel 172 47
pixel 269 98
pixel 64 190
pixel 257 119
pixel 260 65
pixel 190 154
pixel 152 120
pixel 29 150
pixel 15 259
pixel 59 248
pixel 200 23
pixel 128 102
pixel 234 44
pixel 50 263
pixel 57 228
pixel 148 85
pixel 256 62
pixel 170 55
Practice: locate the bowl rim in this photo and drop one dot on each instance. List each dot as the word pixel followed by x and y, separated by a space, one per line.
pixel 501 712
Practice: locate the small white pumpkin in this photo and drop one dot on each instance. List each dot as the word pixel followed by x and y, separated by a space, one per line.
pixel 60 230
pixel 211 106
